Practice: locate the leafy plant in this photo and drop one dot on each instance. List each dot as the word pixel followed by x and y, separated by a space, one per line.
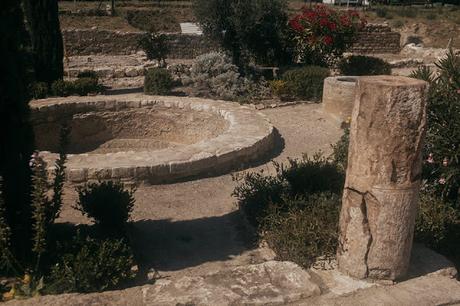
pixel 214 74
pixel 279 88
pixel 107 203
pixel 307 231
pixel 89 264
pixel 61 88
pixel 363 65
pixel 255 192
pixel 39 90
pixel 249 30
pixel 155 47
pixel 340 150
pixel 88 74
pixel 306 82
pixel 84 86
pixel 323 34
pixel 442 145
pixel 158 81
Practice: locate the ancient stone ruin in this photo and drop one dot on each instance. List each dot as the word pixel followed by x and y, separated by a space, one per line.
pixel 383 177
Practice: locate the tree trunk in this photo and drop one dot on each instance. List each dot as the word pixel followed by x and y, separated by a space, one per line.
pixel 45 34
pixel 16 138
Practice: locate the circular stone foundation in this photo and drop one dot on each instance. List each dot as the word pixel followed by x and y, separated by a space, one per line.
pixel 339 96
pixel 150 139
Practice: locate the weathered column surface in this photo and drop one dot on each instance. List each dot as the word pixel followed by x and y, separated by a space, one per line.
pixel 381 192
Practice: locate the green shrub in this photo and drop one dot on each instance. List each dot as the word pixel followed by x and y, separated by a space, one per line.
pixel 306 82
pixel 340 150
pixel 158 81
pixel 88 74
pixel 249 30
pixel 398 24
pixel 306 231
pixel 107 203
pixel 441 168
pixel 155 47
pixel 85 86
pixel 363 65
pixel 61 88
pixel 39 90
pixel 381 12
pixel 90 264
pixel 255 192
pixel 438 225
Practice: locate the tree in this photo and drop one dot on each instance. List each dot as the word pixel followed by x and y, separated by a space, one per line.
pixel 43 25
pixel 249 29
pixel 16 138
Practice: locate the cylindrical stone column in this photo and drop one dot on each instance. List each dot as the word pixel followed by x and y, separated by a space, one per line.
pixel 381 191
pixel 339 96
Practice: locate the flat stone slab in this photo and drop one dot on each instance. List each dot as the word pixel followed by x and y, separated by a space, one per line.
pixel 249 137
pixel 269 283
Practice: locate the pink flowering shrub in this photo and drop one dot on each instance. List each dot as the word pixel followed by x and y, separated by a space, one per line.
pixel 442 147
pixel 322 34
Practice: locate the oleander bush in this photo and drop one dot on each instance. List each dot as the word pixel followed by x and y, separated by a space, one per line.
pixel 158 81
pixel 306 82
pixel 322 34
pixel 358 65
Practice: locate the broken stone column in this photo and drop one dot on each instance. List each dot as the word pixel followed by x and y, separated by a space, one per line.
pixel 381 191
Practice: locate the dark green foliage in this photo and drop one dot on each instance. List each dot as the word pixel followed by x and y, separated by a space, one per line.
pixel 85 86
pixel 442 145
pixel 249 30
pixel 340 150
pixel 45 35
pixel 299 178
pixel 39 90
pixel 296 211
pixel 308 229
pixel 61 88
pixel 438 226
pixel 16 137
pixel 363 65
pixel 158 81
pixel 306 82
pixel 423 73
pixel 107 203
pixel 90 264
pixel 381 12
pixel 155 47
pixel 88 74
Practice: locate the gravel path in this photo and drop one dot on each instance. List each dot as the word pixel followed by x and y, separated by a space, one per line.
pixel 194 227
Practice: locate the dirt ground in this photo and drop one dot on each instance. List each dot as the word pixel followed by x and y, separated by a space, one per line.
pixel 194 227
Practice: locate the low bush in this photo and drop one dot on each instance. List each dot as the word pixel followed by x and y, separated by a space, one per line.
pixel 39 90
pixel 88 74
pixel 215 75
pixel 438 225
pixel 306 82
pixel 84 86
pixel 308 229
pixel 340 150
pixel 107 203
pixel 295 211
pixel 278 88
pixel 90 264
pixel 255 192
pixel 363 65
pixel 61 88
pixel 158 81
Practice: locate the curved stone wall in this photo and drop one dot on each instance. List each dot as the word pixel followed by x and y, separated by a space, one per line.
pixel 248 136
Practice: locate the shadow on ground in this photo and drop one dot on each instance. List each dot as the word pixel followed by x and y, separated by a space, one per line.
pixel 165 245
